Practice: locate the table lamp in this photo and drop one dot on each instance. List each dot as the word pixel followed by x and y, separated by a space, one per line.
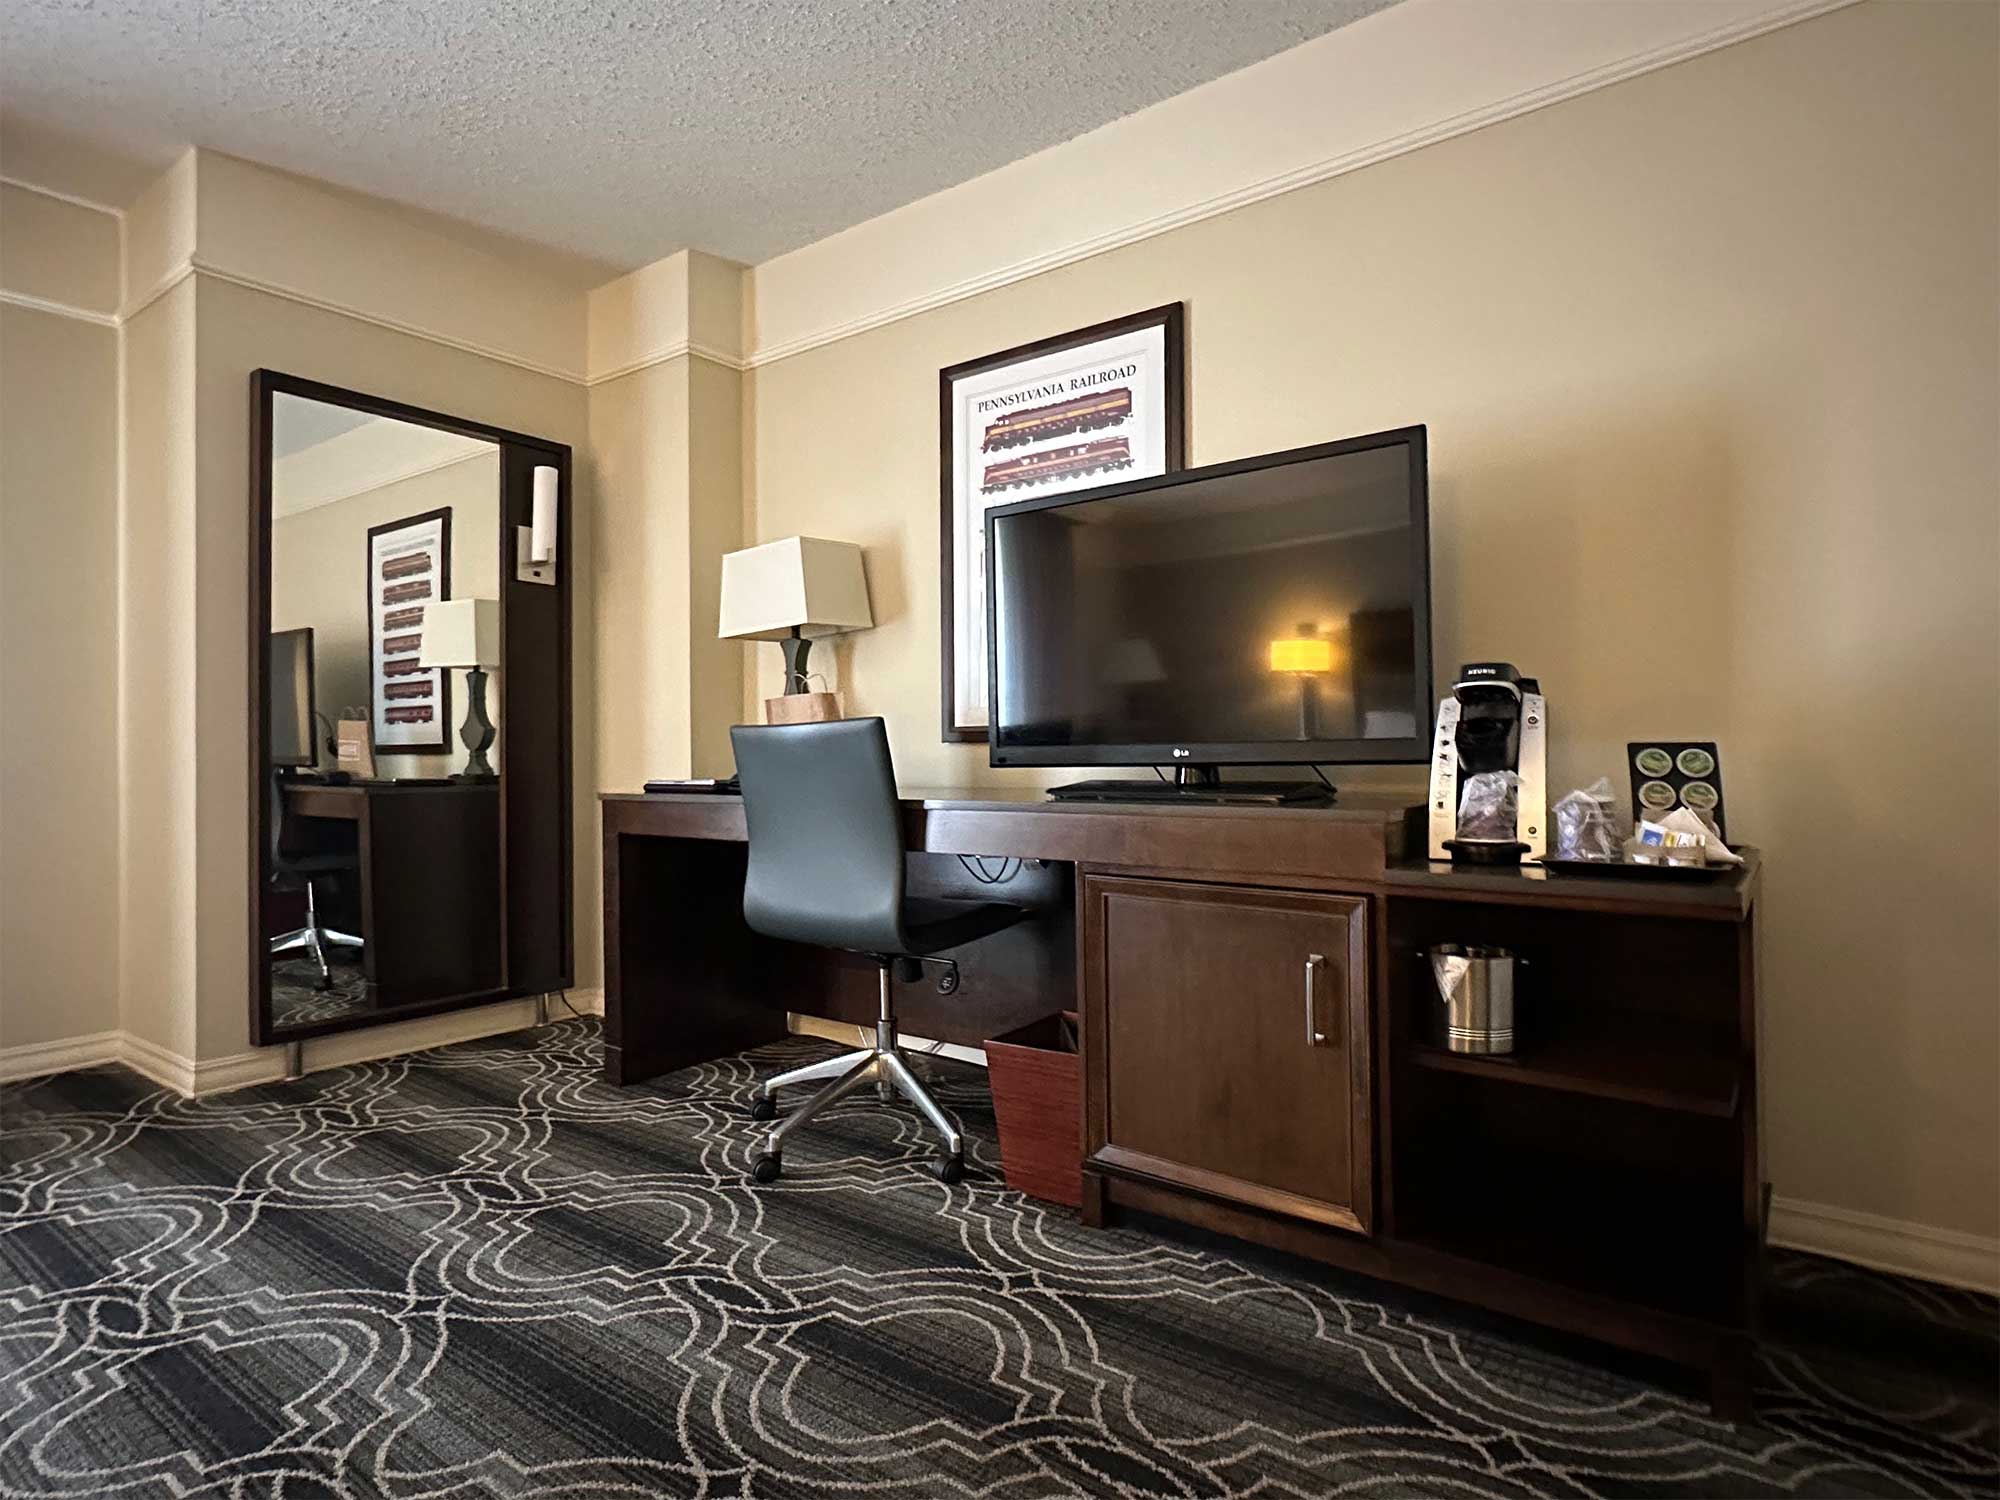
pixel 793 592
pixel 466 633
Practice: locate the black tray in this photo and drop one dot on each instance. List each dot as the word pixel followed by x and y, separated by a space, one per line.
pixel 1643 872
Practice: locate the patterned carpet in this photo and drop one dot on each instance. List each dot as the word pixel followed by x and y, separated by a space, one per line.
pixel 481 1271
pixel 297 999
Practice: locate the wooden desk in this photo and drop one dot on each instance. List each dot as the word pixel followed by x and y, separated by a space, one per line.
pixel 1256 1060
pixel 429 898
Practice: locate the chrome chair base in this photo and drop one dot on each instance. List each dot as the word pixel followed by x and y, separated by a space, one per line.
pixel 882 1065
pixel 314 939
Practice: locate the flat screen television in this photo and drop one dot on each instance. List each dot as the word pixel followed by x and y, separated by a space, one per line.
pixel 1271 611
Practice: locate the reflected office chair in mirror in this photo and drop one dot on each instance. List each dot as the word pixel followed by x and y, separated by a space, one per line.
pixel 291 871
pixel 827 867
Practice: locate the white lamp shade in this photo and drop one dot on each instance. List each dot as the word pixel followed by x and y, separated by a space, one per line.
pixel 461 633
pixel 802 582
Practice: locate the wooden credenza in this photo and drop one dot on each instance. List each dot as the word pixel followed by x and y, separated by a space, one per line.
pixel 1257 1054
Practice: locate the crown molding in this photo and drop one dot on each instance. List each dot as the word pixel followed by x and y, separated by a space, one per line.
pixel 468 346
pixel 195 265
pixel 61 197
pixel 681 349
pixel 1443 129
pixel 174 276
pixel 1744 28
pixel 59 309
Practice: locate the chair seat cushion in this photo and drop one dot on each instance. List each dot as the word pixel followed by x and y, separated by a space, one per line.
pixel 932 924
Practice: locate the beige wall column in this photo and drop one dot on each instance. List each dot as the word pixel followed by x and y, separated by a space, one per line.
pixel 666 449
pixel 158 668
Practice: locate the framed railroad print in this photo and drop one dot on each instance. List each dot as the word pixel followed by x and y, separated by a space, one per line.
pixel 409 567
pixel 1101 404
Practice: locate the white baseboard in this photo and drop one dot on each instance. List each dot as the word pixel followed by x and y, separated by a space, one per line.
pixel 1947 1255
pixel 216 1075
pixel 863 1036
pixel 151 1060
pixel 34 1059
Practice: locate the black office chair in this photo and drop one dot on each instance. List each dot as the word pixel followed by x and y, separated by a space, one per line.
pixel 827 867
pixel 290 871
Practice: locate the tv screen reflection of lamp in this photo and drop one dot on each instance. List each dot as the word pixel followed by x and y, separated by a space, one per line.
pixel 1280 605
pixel 1306 657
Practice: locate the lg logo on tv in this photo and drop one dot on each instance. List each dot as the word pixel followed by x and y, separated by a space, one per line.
pixel 1180 754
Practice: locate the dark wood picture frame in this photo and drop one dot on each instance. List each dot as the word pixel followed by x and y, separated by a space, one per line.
pixel 442 515
pixel 1171 319
pixel 537 793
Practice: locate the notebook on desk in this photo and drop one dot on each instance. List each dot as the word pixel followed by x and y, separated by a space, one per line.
pixel 721 785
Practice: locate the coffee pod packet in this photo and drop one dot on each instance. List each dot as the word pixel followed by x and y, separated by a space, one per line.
pixel 1584 824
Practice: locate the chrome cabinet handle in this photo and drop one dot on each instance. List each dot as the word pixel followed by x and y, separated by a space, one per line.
pixel 1314 1036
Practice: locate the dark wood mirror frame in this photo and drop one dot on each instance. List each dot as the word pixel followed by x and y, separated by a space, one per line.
pixel 538 928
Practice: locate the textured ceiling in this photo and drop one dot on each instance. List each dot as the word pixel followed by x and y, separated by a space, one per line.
pixel 624 131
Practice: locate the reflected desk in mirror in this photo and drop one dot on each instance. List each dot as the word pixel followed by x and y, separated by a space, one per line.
pixel 424 899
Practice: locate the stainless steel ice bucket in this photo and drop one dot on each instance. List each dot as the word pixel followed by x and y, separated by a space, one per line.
pixel 1475 988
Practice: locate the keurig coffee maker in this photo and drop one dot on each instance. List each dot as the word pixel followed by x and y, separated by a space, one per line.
pixel 1494 720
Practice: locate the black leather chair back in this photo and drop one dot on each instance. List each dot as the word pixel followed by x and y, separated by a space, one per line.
pixel 274 825
pixel 826 835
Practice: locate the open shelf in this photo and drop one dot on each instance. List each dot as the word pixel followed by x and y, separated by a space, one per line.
pixel 1587 1195
pixel 1680 1274
pixel 1604 1065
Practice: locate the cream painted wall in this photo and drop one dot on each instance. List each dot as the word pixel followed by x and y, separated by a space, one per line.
pixel 1732 322
pixel 240 330
pixel 59 671
pixel 58 615
pixel 57 251
pixel 666 446
pixel 319 578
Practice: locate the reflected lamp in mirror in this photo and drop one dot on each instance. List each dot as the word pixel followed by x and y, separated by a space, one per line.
pixel 794 591
pixel 466 633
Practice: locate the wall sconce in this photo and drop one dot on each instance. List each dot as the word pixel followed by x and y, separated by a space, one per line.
pixel 535 545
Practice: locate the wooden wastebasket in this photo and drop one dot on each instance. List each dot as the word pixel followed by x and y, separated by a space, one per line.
pixel 1036 1076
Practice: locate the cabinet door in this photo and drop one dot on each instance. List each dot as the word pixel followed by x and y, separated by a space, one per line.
pixel 1226 1043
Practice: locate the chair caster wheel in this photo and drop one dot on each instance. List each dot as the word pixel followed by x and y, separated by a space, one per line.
pixel 950 1169
pixel 767 1168
pixel 763 1107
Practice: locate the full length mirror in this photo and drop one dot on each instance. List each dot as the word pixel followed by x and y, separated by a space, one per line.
pixel 384 784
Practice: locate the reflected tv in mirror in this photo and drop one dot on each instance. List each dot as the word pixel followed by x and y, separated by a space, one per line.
pixel 289 724
pixel 1272 611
